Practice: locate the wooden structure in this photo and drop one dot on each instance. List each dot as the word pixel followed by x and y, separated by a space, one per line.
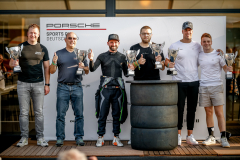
pixel 34 151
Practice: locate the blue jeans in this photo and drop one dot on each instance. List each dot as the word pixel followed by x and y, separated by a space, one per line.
pixel 64 94
pixel 26 92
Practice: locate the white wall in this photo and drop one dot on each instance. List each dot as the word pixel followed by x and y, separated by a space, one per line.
pixel 168 29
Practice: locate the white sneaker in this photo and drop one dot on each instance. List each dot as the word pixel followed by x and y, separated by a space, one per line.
pixel 210 140
pixel 179 140
pixel 23 142
pixel 224 142
pixel 191 140
pixel 129 142
pixel 100 141
pixel 42 142
pixel 117 142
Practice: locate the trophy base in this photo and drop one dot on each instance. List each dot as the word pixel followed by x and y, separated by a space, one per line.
pixel 131 73
pixel 229 75
pixel 172 73
pixel 80 72
pixel 172 69
pixel 17 69
pixel 158 66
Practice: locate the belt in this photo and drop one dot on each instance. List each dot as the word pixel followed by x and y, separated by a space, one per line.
pixel 69 84
pixel 111 86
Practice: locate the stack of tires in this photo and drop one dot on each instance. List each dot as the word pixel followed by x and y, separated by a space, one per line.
pixel 154 115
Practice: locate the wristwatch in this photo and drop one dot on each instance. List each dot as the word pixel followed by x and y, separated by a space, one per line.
pixel 47 84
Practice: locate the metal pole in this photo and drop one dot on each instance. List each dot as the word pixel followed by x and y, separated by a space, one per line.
pixel 233 96
pixel 110 8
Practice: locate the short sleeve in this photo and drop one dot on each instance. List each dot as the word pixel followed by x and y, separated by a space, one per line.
pixel 198 64
pixel 46 56
pixel 222 61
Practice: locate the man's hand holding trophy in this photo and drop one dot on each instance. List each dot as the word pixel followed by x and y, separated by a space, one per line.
pixel 81 56
pixel 131 60
pixel 230 59
pixel 172 54
pixel 15 53
pixel 157 50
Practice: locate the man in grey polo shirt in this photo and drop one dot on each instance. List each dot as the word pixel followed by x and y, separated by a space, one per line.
pixel 69 88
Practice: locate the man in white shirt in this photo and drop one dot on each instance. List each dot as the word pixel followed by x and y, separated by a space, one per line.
pixel 211 88
pixel 187 71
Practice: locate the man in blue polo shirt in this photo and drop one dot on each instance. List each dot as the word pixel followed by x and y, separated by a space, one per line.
pixel 69 88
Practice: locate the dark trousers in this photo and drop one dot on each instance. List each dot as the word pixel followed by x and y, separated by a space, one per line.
pixel 189 90
pixel 109 96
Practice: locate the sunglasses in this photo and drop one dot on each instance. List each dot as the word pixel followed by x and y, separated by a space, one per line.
pixel 72 38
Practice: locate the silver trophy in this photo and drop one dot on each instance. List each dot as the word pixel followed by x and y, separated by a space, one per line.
pixel 157 50
pixel 230 59
pixel 81 56
pixel 15 53
pixel 131 57
pixel 172 55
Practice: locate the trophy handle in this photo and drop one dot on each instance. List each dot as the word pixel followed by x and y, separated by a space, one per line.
pixel 222 54
pixel 76 51
pixel 86 55
pixel 138 51
pixel 21 47
pixel 7 49
pixel 169 50
pixel 236 53
pixel 161 47
pixel 126 58
pixel 150 45
pixel 8 52
pixel 163 44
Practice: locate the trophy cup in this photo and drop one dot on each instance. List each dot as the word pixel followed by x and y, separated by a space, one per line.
pixel 230 59
pixel 172 54
pixel 15 53
pixel 131 57
pixel 157 50
pixel 81 56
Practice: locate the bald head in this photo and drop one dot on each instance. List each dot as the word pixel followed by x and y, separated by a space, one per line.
pixel 72 154
pixel 69 33
pixel 71 40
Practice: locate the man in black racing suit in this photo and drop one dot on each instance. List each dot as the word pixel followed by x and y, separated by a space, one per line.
pixel 111 89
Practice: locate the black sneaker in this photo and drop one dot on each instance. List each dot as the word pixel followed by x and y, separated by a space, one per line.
pixel 59 143
pixel 80 142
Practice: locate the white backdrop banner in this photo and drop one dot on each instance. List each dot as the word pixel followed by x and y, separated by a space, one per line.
pixel 93 33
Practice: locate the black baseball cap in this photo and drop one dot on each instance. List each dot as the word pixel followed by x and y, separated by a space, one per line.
pixel 187 25
pixel 113 37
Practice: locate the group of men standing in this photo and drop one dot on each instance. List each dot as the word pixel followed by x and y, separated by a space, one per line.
pixel 112 89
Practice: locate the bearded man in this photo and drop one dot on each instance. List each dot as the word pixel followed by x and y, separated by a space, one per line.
pixel 111 89
pixel 146 59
